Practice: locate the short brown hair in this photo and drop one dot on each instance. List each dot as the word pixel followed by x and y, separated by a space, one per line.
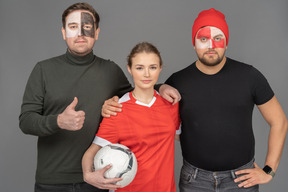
pixel 80 6
pixel 143 47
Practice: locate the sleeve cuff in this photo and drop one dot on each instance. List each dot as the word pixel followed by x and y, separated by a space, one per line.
pixel 101 142
pixel 52 123
pixel 178 131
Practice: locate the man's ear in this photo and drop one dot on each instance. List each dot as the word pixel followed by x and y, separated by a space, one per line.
pixel 63 33
pixel 97 33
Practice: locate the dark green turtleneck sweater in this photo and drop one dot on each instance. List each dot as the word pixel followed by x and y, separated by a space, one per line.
pixel 51 87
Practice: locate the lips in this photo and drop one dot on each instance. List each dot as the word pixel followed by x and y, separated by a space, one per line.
pixel 146 81
pixel 80 41
pixel 210 53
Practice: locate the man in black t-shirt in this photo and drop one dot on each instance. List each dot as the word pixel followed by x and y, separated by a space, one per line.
pixel 218 96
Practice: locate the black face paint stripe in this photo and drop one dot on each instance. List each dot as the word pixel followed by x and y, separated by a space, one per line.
pixel 87 18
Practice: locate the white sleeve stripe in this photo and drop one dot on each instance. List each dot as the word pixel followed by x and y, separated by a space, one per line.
pixel 124 98
pixel 101 142
pixel 178 132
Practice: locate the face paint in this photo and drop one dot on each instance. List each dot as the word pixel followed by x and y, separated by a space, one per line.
pixel 210 37
pixel 80 24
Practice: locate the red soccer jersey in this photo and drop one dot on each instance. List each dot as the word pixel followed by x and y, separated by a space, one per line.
pixel 149 131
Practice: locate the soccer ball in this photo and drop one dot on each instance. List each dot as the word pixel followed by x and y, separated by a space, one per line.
pixel 122 159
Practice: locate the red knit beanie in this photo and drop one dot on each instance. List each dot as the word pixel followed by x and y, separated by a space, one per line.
pixel 212 18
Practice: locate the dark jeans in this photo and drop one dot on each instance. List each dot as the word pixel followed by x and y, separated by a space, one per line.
pixel 74 187
pixel 193 179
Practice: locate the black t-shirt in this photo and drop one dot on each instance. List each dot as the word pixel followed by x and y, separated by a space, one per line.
pixel 216 113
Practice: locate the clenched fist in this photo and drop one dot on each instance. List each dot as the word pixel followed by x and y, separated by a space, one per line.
pixel 70 119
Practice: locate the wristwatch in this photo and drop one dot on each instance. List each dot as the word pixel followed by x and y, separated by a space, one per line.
pixel 267 169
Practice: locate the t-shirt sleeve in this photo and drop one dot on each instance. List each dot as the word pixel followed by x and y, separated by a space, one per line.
pixel 170 80
pixel 176 118
pixel 260 88
pixel 175 109
pixel 108 131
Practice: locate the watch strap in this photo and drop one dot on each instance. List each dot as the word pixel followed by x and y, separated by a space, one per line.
pixel 267 169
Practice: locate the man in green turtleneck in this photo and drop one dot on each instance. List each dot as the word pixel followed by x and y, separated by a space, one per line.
pixel 63 100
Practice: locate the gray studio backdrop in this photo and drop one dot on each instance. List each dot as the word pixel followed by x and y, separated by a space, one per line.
pixel 30 32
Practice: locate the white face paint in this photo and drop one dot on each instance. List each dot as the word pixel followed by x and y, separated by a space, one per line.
pixel 79 23
pixel 73 24
pixel 210 38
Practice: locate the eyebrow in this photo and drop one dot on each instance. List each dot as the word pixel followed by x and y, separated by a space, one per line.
pixel 141 65
pixel 200 36
pixel 219 35
pixel 73 23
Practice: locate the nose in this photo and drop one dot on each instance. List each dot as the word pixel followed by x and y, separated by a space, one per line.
pixel 147 72
pixel 211 44
pixel 80 33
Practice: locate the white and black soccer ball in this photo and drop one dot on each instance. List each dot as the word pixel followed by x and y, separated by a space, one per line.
pixel 122 159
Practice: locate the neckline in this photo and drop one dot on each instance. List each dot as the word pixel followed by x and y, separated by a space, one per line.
pixel 141 103
pixel 79 60
pixel 212 75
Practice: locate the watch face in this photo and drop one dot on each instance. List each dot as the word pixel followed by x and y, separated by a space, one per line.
pixel 267 169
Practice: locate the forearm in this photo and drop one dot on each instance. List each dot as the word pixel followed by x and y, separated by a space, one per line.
pixel 88 158
pixel 276 118
pixel 96 178
pixel 276 143
pixel 87 163
pixel 250 177
pixel 31 120
pixel 35 124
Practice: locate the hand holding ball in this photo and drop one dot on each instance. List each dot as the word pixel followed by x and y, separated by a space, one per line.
pixel 122 159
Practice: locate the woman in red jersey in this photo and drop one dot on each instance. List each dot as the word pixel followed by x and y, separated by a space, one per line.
pixel 147 125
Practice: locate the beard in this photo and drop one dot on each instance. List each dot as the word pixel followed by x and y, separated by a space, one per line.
pixel 209 61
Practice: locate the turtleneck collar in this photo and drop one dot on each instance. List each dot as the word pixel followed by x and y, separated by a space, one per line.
pixel 79 60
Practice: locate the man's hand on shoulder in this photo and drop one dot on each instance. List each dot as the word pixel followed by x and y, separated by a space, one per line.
pixel 111 107
pixel 170 93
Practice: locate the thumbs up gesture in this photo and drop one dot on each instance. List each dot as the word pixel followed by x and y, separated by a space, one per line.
pixel 70 119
